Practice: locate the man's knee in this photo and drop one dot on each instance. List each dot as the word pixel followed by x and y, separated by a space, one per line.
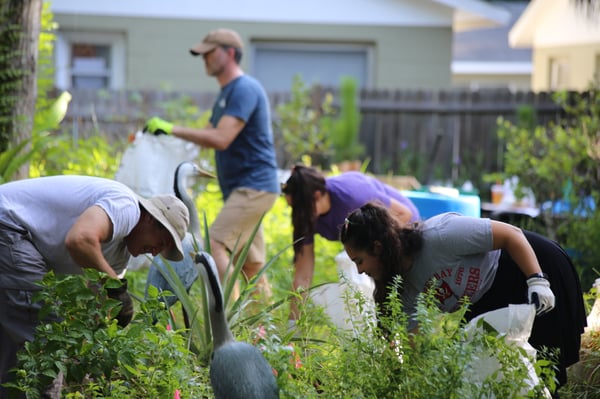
pixel 252 268
pixel 216 246
pixel 219 252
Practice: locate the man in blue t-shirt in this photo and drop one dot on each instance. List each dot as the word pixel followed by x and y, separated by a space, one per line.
pixel 240 132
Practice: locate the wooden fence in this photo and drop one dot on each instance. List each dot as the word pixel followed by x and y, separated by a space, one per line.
pixel 443 135
pixel 433 135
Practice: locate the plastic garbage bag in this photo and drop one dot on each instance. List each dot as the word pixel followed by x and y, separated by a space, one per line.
pixel 148 164
pixel 515 323
pixel 348 303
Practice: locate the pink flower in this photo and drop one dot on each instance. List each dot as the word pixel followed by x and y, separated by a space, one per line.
pixel 176 394
pixel 295 360
pixel 260 334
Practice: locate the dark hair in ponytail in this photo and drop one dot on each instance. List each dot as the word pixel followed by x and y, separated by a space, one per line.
pixel 301 186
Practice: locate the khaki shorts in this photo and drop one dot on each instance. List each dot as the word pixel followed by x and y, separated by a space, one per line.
pixel 237 219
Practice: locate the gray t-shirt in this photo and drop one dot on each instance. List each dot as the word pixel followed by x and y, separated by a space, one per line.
pixel 47 207
pixel 458 252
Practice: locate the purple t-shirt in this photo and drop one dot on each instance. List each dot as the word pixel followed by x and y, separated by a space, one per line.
pixel 349 191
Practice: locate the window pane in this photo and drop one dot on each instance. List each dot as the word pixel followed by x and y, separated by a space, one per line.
pixel 276 67
pixel 90 65
pixel 83 82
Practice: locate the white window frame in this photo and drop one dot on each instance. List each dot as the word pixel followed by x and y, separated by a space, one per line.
pixel 64 43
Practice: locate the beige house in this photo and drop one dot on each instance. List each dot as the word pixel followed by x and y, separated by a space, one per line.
pixel 383 44
pixel 565 42
pixel 483 58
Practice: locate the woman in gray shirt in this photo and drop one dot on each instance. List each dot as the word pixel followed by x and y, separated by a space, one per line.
pixel 492 263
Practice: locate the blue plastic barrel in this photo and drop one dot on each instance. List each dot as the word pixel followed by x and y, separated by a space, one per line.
pixel 431 204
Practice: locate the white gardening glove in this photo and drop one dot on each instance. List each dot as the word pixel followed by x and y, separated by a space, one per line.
pixel 540 294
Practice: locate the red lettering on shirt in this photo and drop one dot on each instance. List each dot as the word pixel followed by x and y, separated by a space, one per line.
pixel 443 274
pixel 473 280
pixel 459 275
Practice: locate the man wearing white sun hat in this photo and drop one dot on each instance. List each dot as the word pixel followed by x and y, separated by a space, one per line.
pixel 65 224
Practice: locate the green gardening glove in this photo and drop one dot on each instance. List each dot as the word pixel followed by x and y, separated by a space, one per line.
pixel 156 126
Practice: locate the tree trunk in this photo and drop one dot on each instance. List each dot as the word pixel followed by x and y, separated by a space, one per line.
pixel 19 35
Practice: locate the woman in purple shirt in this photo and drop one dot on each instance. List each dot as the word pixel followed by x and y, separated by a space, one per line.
pixel 320 204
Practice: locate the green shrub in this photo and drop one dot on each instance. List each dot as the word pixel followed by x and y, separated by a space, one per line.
pixel 99 359
pixel 345 126
pixel 64 156
pixel 300 128
pixel 560 162
pixel 438 362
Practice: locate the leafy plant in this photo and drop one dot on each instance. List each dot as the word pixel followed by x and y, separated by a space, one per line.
pixel 438 362
pixel 14 157
pixel 345 127
pixel 49 111
pixel 561 163
pixel 301 126
pixel 96 358
pixel 548 152
pixel 62 155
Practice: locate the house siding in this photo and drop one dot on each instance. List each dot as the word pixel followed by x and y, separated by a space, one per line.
pixel 582 65
pixel 559 30
pixel 482 81
pixel 157 54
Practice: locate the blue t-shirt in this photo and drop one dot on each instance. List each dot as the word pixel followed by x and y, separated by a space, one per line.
pixel 349 191
pixel 249 161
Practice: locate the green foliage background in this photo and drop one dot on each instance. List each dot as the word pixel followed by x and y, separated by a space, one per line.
pixel 561 162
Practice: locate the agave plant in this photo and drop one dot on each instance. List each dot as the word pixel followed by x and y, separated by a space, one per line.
pixel 200 338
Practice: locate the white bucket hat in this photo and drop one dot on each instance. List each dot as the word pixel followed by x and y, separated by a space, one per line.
pixel 172 213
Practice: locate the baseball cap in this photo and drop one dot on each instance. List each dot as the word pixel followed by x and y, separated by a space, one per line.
pixel 172 213
pixel 218 37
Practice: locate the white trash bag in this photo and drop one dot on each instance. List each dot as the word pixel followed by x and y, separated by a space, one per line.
pixel 341 301
pixel 515 323
pixel 148 164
